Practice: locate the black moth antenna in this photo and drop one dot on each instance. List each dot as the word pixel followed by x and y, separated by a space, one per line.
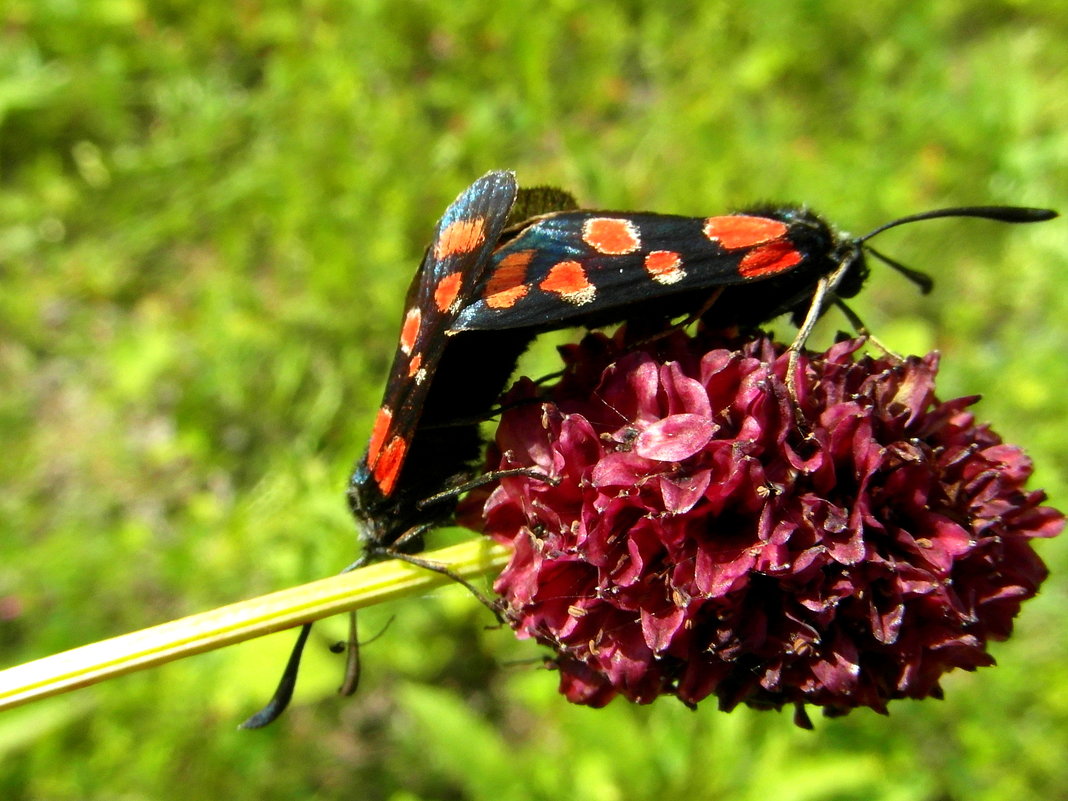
pixel 827 285
pixel 1009 214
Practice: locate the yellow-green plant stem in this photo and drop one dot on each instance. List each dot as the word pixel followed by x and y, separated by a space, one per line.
pixel 244 620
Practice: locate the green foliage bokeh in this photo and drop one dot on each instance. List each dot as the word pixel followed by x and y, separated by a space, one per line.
pixel 209 214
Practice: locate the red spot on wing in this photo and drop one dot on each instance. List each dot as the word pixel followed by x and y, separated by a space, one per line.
pixel 414 365
pixel 507 286
pixel 769 259
pixel 410 330
pixel 461 236
pixel 387 470
pixel 378 434
pixel 665 266
pixel 568 280
pixel 613 237
pixel 446 291
pixel 741 231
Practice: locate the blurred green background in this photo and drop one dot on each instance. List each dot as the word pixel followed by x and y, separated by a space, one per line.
pixel 208 217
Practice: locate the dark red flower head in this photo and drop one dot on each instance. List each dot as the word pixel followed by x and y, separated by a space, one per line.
pixel 701 533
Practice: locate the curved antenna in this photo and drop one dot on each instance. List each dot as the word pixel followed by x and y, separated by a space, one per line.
pixel 920 279
pixel 1009 214
pixel 282 696
pixel 350 682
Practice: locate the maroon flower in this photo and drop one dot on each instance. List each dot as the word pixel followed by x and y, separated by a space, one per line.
pixel 701 533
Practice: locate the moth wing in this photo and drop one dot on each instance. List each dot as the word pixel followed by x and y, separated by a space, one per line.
pixel 460 251
pixel 571 268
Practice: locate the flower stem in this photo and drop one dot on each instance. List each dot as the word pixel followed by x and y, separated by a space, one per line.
pixel 244 620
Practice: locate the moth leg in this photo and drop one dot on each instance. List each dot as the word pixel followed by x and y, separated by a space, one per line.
pixel 436 567
pixel 690 318
pixel 394 551
pixel 485 478
pixel 860 328
pixel 820 298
